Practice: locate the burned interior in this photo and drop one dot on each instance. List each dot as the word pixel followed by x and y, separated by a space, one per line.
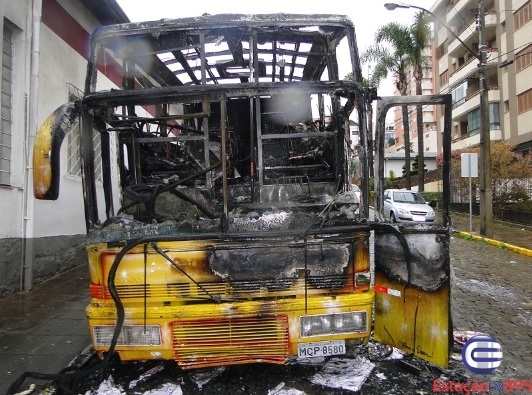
pixel 218 119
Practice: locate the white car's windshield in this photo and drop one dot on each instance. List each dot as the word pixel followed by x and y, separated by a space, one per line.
pixel 408 197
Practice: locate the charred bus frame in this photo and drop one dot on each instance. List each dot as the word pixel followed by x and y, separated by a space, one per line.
pixel 236 213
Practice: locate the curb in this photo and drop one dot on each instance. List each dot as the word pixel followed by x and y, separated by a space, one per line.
pixel 496 243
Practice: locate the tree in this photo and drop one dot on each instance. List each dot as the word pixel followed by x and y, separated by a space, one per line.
pixel 416 166
pixel 509 173
pixel 407 46
pixel 421 33
pixel 393 58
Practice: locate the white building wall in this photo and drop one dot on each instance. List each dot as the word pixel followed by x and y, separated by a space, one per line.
pixel 11 195
pixel 53 92
pixel 41 238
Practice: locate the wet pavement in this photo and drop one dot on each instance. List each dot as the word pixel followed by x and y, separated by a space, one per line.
pixel 45 329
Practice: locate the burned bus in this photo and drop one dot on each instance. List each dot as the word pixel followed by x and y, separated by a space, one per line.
pixel 227 231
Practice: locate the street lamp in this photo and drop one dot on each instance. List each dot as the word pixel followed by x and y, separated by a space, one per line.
pixel 486 196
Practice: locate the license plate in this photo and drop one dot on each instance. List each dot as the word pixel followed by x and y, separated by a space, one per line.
pixel 419 218
pixel 320 349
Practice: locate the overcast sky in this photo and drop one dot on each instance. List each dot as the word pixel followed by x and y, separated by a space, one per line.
pixel 367 15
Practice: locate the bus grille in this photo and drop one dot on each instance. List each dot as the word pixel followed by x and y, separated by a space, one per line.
pixel 250 288
pixel 226 341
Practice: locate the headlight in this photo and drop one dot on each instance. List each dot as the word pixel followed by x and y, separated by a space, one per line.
pixel 130 335
pixel 403 211
pixel 330 324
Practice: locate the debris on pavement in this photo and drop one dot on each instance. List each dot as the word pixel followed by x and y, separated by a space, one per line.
pixel 349 374
pixel 381 376
pixel 146 375
pixel 108 387
pixel 281 389
pixel 379 351
pixel 166 389
pixel 203 376
pixel 461 337
pixel 383 352
pixel 410 368
pixel 28 391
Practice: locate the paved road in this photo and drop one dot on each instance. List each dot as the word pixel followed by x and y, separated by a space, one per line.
pixel 492 294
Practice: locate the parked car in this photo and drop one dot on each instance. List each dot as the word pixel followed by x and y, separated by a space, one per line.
pixel 401 205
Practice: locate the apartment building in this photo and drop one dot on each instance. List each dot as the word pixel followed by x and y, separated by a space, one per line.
pixel 44 52
pixel 508 38
pixel 429 115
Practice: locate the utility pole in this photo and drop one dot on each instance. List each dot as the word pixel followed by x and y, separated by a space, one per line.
pixel 486 195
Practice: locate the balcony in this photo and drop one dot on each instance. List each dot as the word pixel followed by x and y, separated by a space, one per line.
pixel 474 140
pixel 467 70
pixel 473 101
pixel 457 8
pixel 469 35
pixel 470 68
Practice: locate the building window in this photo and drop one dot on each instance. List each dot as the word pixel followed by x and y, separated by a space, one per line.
pixel 524 101
pixel 506 105
pixel 441 50
pixel 6 103
pixel 473 119
pixel 444 78
pixel 74 157
pixel 522 15
pixel 523 58
pixel 473 122
pixel 495 121
pixel 459 94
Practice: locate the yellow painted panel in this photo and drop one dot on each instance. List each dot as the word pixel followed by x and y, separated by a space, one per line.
pixel 413 320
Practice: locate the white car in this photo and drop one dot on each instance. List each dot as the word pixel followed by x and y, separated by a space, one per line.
pixel 402 205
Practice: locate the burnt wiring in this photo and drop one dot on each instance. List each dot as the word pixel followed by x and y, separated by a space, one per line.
pixel 147 194
pixel 215 298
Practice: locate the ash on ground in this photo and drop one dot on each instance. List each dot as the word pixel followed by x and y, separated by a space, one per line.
pixel 373 368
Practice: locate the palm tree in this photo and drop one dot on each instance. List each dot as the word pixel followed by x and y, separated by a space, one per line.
pixel 421 34
pixel 394 58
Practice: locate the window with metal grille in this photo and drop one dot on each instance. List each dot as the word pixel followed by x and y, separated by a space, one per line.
pixel 523 15
pixel 523 58
pixel 74 158
pixel 524 101
pixel 6 103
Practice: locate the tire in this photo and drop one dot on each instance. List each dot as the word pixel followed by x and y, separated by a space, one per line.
pixel 392 217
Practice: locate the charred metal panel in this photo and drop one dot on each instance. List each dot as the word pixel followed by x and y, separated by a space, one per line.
pixel 412 264
pixel 412 293
pixel 48 142
pixel 280 262
pixel 383 105
pixel 426 267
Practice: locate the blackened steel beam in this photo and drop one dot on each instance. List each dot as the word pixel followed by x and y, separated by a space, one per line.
pixel 383 105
